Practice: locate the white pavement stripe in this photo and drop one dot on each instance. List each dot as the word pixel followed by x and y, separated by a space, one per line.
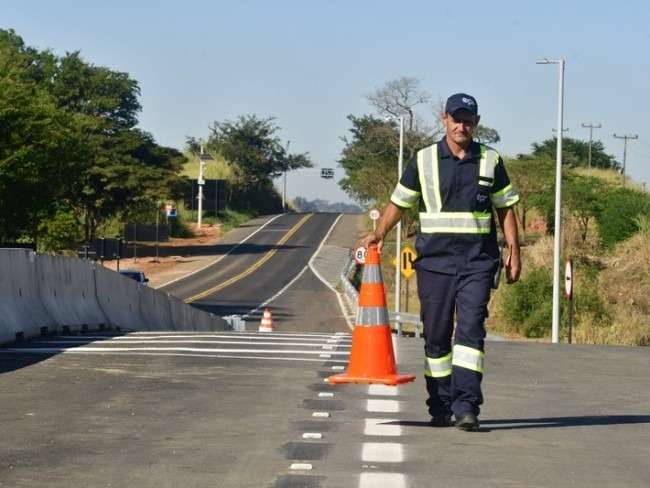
pixel 338 368
pixel 320 414
pixel 275 335
pixel 184 341
pixel 382 480
pixel 326 394
pixel 49 350
pixel 220 356
pixel 382 452
pixel 312 435
pixel 384 406
pixel 382 427
pixel 222 257
pixel 383 390
pixel 300 467
pixel 326 356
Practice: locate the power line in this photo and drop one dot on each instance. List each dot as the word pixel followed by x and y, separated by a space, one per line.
pixel 591 128
pixel 625 139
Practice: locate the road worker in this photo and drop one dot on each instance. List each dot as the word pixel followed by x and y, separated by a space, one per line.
pixel 456 183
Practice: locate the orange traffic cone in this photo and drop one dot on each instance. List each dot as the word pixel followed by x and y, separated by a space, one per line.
pixel 266 325
pixel 372 359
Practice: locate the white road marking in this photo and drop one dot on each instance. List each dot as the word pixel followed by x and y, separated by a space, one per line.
pixel 136 353
pixel 382 452
pixel 382 390
pixel 325 282
pixel 50 350
pixel 328 348
pixel 222 257
pixel 185 341
pixel 307 266
pixel 326 394
pixel 382 480
pixel 278 336
pixel 312 435
pixel 384 406
pixel 300 467
pixel 382 427
pixel 338 368
pixel 326 356
pixel 321 414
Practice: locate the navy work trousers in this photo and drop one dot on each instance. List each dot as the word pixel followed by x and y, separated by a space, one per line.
pixel 442 296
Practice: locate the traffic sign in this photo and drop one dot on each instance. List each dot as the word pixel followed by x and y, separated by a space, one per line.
pixel 360 255
pixel 327 173
pixel 374 214
pixel 568 279
pixel 407 258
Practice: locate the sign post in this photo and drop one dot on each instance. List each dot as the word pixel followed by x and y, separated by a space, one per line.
pixel 374 216
pixel 568 284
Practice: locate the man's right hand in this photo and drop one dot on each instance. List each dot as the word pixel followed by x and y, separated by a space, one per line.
pixel 372 238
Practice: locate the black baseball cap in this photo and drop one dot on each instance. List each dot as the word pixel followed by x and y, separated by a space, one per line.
pixel 460 101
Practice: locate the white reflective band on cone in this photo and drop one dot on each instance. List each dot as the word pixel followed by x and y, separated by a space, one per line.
pixel 372 316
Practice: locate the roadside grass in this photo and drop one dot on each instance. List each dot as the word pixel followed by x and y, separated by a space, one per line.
pixel 219 169
pixel 610 176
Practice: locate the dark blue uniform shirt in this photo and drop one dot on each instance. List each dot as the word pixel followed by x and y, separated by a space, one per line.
pixel 451 253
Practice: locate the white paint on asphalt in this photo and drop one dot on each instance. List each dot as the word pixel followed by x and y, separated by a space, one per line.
pixel 297 277
pixel 382 480
pixel 312 435
pixel 326 394
pixel 300 467
pixel 384 427
pixel 328 348
pixel 327 356
pixel 382 390
pixel 384 406
pixel 338 368
pixel 203 335
pixel 50 350
pixel 325 282
pixel 222 257
pixel 138 353
pixel 321 414
pixel 186 341
pixel 382 452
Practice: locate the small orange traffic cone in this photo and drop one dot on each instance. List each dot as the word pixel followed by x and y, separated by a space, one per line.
pixel 266 325
pixel 372 359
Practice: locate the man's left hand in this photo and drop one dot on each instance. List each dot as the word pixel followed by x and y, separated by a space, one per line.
pixel 513 266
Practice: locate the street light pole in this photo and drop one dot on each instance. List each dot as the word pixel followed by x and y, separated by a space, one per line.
pixel 284 184
pixel 200 183
pixel 591 128
pixel 555 333
pixel 625 139
pixel 398 239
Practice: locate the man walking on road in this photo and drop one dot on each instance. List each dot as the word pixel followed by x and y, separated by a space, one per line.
pixel 456 182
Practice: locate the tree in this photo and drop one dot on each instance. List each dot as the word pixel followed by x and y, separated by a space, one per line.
pixel 251 145
pixel 583 197
pixel 398 98
pixel 486 135
pixel 576 153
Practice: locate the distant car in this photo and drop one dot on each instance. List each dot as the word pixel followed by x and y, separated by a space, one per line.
pixel 136 275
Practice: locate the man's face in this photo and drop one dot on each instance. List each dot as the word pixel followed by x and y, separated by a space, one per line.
pixel 460 126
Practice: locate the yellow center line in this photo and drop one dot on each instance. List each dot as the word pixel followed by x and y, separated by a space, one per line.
pixel 255 265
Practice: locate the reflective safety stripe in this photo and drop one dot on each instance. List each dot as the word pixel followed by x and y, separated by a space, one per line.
pixel 371 274
pixel 372 316
pixel 456 222
pixel 487 164
pixel 437 367
pixel 429 178
pixel 404 197
pixel 468 358
pixel 505 198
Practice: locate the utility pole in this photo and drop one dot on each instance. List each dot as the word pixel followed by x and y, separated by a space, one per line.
pixel 284 184
pixel 625 139
pixel 591 128
pixel 200 182
pixel 555 327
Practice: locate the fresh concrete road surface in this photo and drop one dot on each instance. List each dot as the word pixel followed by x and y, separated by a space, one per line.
pixel 240 410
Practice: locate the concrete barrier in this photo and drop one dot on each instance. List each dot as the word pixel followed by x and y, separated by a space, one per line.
pixel 21 308
pixel 39 291
pixel 119 298
pixel 67 289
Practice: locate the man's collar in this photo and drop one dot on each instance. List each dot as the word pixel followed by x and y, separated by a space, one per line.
pixel 444 151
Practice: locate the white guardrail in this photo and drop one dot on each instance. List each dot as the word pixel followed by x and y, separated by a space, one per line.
pixel 353 297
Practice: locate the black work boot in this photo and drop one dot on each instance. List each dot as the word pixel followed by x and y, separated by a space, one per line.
pixel 467 421
pixel 441 421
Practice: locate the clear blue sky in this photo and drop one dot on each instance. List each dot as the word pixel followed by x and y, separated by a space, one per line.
pixel 310 64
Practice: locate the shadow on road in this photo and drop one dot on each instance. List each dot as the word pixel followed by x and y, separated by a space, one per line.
pixel 489 425
pixel 165 250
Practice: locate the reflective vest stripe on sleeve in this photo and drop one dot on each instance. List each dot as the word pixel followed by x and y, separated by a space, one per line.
pixel 404 197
